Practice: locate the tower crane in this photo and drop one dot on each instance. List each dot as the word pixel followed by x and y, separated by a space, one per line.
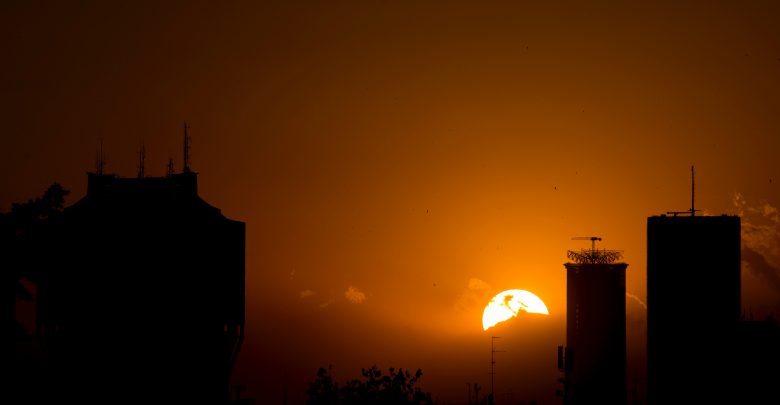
pixel 592 239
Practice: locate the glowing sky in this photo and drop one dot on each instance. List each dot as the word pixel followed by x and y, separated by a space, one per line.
pixel 397 163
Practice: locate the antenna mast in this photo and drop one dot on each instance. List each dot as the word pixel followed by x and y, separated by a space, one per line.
pixel 100 161
pixel 169 170
pixel 693 209
pixel 186 168
pixel 141 160
pixel 693 192
pixel 593 256
pixel 492 365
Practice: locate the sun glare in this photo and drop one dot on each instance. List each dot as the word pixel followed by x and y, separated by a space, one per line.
pixel 508 304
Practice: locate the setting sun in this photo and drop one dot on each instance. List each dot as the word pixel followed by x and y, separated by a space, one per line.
pixel 507 304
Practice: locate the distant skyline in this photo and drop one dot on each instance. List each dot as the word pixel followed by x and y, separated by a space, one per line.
pixel 397 165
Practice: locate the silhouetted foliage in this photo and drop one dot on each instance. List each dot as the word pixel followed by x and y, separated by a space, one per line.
pixel 323 390
pixel 24 216
pixel 21 232
pixel 16 227
pixel 397 387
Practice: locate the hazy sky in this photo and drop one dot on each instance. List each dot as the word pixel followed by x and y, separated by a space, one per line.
pixel 398 163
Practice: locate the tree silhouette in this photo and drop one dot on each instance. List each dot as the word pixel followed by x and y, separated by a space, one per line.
pixel 22 233
pixel 323 390
pixel 397 387
pixel 18 230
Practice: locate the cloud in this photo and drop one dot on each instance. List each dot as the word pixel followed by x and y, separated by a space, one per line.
pixel 760 239
pixel 475 295
pixel 354 295
pixel 306 293
pixel 637 299
pixel 325 304
pixel 758 264
pixel 478 285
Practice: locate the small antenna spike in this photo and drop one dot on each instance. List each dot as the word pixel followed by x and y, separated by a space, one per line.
pixel 100 161
pixel 693 191
pixel 186 164
pixel 141 161
pixel 693 209
pixel 169 170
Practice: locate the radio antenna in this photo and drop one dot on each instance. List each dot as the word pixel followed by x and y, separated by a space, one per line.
pixel 100 160
pixel 141 161
pixel 693 191
pixel 186 167
pixel 693 209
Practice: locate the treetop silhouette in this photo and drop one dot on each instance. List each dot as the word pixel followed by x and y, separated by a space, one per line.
pixel 374 387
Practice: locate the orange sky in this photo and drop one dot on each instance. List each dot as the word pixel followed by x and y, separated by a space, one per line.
pixel 398 164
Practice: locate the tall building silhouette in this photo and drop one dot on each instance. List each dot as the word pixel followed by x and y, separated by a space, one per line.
pixel 756 369
pixel 595 355
pixel 143 300
pixel 693 306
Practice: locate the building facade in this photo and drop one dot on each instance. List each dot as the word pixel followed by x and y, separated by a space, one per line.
pixel 693 300
pixel 595 353
pixel 143 300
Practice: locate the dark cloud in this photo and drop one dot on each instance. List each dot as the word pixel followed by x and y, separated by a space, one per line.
pixel 757 263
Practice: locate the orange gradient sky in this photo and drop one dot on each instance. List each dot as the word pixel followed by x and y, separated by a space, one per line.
pixel 398 164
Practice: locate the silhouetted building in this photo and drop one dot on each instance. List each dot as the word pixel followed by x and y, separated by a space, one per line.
pixel 144 297
pixel 595 355
pixel 693 307
pixel 756 370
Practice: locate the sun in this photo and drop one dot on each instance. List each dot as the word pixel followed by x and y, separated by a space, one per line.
pixel 507 304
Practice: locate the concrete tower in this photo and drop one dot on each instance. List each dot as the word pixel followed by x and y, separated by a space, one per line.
pixel 595 354
pixel 693 306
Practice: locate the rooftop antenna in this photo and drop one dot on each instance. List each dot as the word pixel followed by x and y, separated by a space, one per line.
pixel 593 256
pixel 186 168
pixel 693 191
pixel 492 366
pixel 100 161
pixel 141 160
pixel 693 210
pixel 592 240
pixel 169 170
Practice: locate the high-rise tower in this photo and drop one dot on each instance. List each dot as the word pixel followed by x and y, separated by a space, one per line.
pixel 693 305
pixel 595 354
